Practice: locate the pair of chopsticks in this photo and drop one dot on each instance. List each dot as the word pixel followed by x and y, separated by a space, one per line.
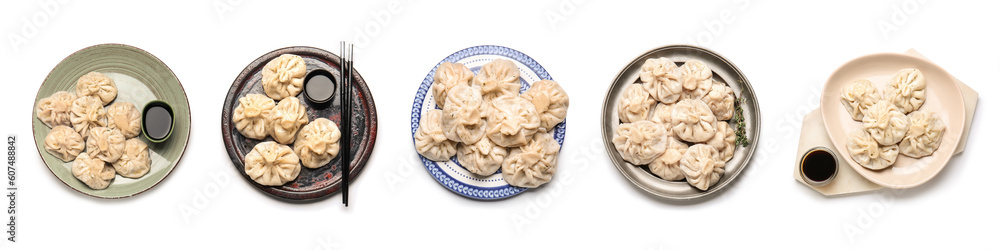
pixel 346 105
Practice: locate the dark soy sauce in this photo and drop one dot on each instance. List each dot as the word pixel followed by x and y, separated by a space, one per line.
pixel 158 121
pixel 819 165
pixel 320 86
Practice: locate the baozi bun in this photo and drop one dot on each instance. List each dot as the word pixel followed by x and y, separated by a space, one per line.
pixel 283 76
pixel 126 118
pixel 724 140
pixel 286 119
pixel 272 164
pixel 55 109
pixel 449 75
pixel 924 135
pixel 550 100
pixel 668 164
pixel 906 90
pixel 482 158
pixel 640 142
pixel 702 166
pixel 462 115
pixel 317 143
pixel 252 115
pixel 868 153
pixel 498 78
pixel 858 97
pixel 430 140
pixel 635 104
pixel 532 164
pixel 97 85
pixel 885 123
pixel 696 78
pixel 93 172
pixel 88 112
pixel 693 121
pixel 720 100
pixel 511 121
pixel 64 143
pixel 659 78
pixel 134 162
pixel 106 144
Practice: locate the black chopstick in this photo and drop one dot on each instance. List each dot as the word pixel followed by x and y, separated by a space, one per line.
pixel 345 121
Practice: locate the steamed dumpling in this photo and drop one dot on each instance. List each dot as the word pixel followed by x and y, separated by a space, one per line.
pixel 317 143
pixel 924 135
pixel 659 78
pixel 858 97
pixel 724 141
pixel 511 121
pixel 430 140
pixel 252 115
pixel 702 166
pixel 693 121
pixel 640 142
pixel 87 112
pixel 532 164
pixel 449 75
pixel 64 143
pixel 668 164
pixel 720 100
pixel 635 104
pixel 126 118
pixel 55 109
pixel 906 90
pixel 661 114
pixel 134 162
pixel 550 100
pixel 286 119
pixel 868 153
pixel 97 85
pixel 272 164
pixel 283 76
pixel 498 78
pixel 462 115
pixel 696 78
pixel 885 123
pixel 93 172
pixel 106 144
pixel 482 158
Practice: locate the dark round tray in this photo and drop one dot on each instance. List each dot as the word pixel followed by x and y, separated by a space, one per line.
pixel 312 184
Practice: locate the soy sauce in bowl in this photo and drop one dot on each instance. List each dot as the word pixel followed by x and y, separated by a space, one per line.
pixel 819 166
pixel 157 121
pixel 320 86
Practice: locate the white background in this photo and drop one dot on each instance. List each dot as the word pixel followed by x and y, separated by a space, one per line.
pixel 786 48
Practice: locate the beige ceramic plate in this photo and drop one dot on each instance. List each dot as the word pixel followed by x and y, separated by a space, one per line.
pixel 943 98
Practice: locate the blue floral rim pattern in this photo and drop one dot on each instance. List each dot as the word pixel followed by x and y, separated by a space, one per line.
pixel 461 188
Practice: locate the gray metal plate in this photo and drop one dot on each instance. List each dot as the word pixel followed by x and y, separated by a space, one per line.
pixel 723 71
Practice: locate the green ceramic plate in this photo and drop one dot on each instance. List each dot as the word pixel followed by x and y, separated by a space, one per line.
pixel 140 78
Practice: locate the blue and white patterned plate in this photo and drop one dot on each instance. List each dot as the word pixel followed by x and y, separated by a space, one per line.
pixel 451 174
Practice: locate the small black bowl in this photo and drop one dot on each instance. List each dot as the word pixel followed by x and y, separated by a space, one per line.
pixel 318 83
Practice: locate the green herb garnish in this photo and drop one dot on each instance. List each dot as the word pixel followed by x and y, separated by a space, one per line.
pixel 741 125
